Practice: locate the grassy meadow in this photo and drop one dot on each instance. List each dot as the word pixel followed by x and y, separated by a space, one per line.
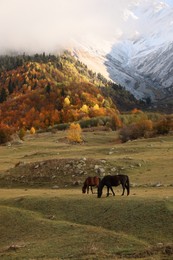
pixel 42 222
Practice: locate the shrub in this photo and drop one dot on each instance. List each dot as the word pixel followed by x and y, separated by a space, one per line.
pixel 22 133
pixel 135 131
pixel 145 126
pixel 128 133
pixel 115 122
pixel 128 119
pixel 154 116
pixel 74 133
pixel 32 130
pixel 164 126
pixel 92 122
pixel 61 127
pixel 5 133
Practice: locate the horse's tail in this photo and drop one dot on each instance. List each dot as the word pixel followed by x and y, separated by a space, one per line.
pixel 128 185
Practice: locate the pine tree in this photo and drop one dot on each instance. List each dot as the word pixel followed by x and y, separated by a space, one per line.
pixel 10 87
pixel 3 95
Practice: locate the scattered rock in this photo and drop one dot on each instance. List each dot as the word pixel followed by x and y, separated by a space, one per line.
pixel 160 244
pixel 103 161
pixel 159 185
pixel 17 142
pixel 56 173
pixel 67 165
pixel 52 217
pixel 100 171
pixel 20 164
pixel 55 187
pixel 128 158
pixel 14 247
pixel 42 163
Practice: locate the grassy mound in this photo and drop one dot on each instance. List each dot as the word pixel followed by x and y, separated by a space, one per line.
pixel 65 224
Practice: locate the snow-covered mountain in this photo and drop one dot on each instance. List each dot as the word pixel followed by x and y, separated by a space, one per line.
pixel 139 55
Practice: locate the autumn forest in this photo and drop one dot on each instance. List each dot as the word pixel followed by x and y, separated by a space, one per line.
pixel 47 90
pixel 42 91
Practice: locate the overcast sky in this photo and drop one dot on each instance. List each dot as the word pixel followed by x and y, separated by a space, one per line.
pixel 43 25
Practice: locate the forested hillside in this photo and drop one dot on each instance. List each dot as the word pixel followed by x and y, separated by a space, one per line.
pixel 43 90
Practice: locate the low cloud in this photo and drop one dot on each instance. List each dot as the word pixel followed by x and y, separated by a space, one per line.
pixel 46 25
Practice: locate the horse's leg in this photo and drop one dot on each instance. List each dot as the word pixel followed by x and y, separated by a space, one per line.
pixel 112 191
pixel 126 186
pixel 107 191
pixel 110 187
pixel 123 186
pixel 87 189
pixel 92 189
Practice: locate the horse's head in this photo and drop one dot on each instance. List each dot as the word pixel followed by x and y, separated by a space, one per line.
pixel 83 189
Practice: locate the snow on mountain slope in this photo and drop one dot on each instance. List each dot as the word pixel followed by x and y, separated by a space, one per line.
pixel 139 55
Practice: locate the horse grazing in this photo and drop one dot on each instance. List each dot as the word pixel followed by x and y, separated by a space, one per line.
pixel 114 180
pixel 90 182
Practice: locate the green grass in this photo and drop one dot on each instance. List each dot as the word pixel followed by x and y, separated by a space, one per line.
pixel 66 224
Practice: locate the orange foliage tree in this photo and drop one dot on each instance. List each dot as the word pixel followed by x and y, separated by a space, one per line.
pixel 74 133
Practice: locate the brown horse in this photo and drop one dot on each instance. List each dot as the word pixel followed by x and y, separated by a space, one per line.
pixel 90 182
pixel 114 180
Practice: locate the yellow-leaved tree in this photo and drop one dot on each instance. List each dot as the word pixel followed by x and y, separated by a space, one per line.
pixel 74 133
pixel 84 109
pixel 66 101
pixel 96 107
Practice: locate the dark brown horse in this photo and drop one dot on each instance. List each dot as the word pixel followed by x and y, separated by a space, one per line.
pixel 114 180
pixel 90 182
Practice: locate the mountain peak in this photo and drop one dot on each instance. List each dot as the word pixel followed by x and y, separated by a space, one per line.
pixel 139 54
